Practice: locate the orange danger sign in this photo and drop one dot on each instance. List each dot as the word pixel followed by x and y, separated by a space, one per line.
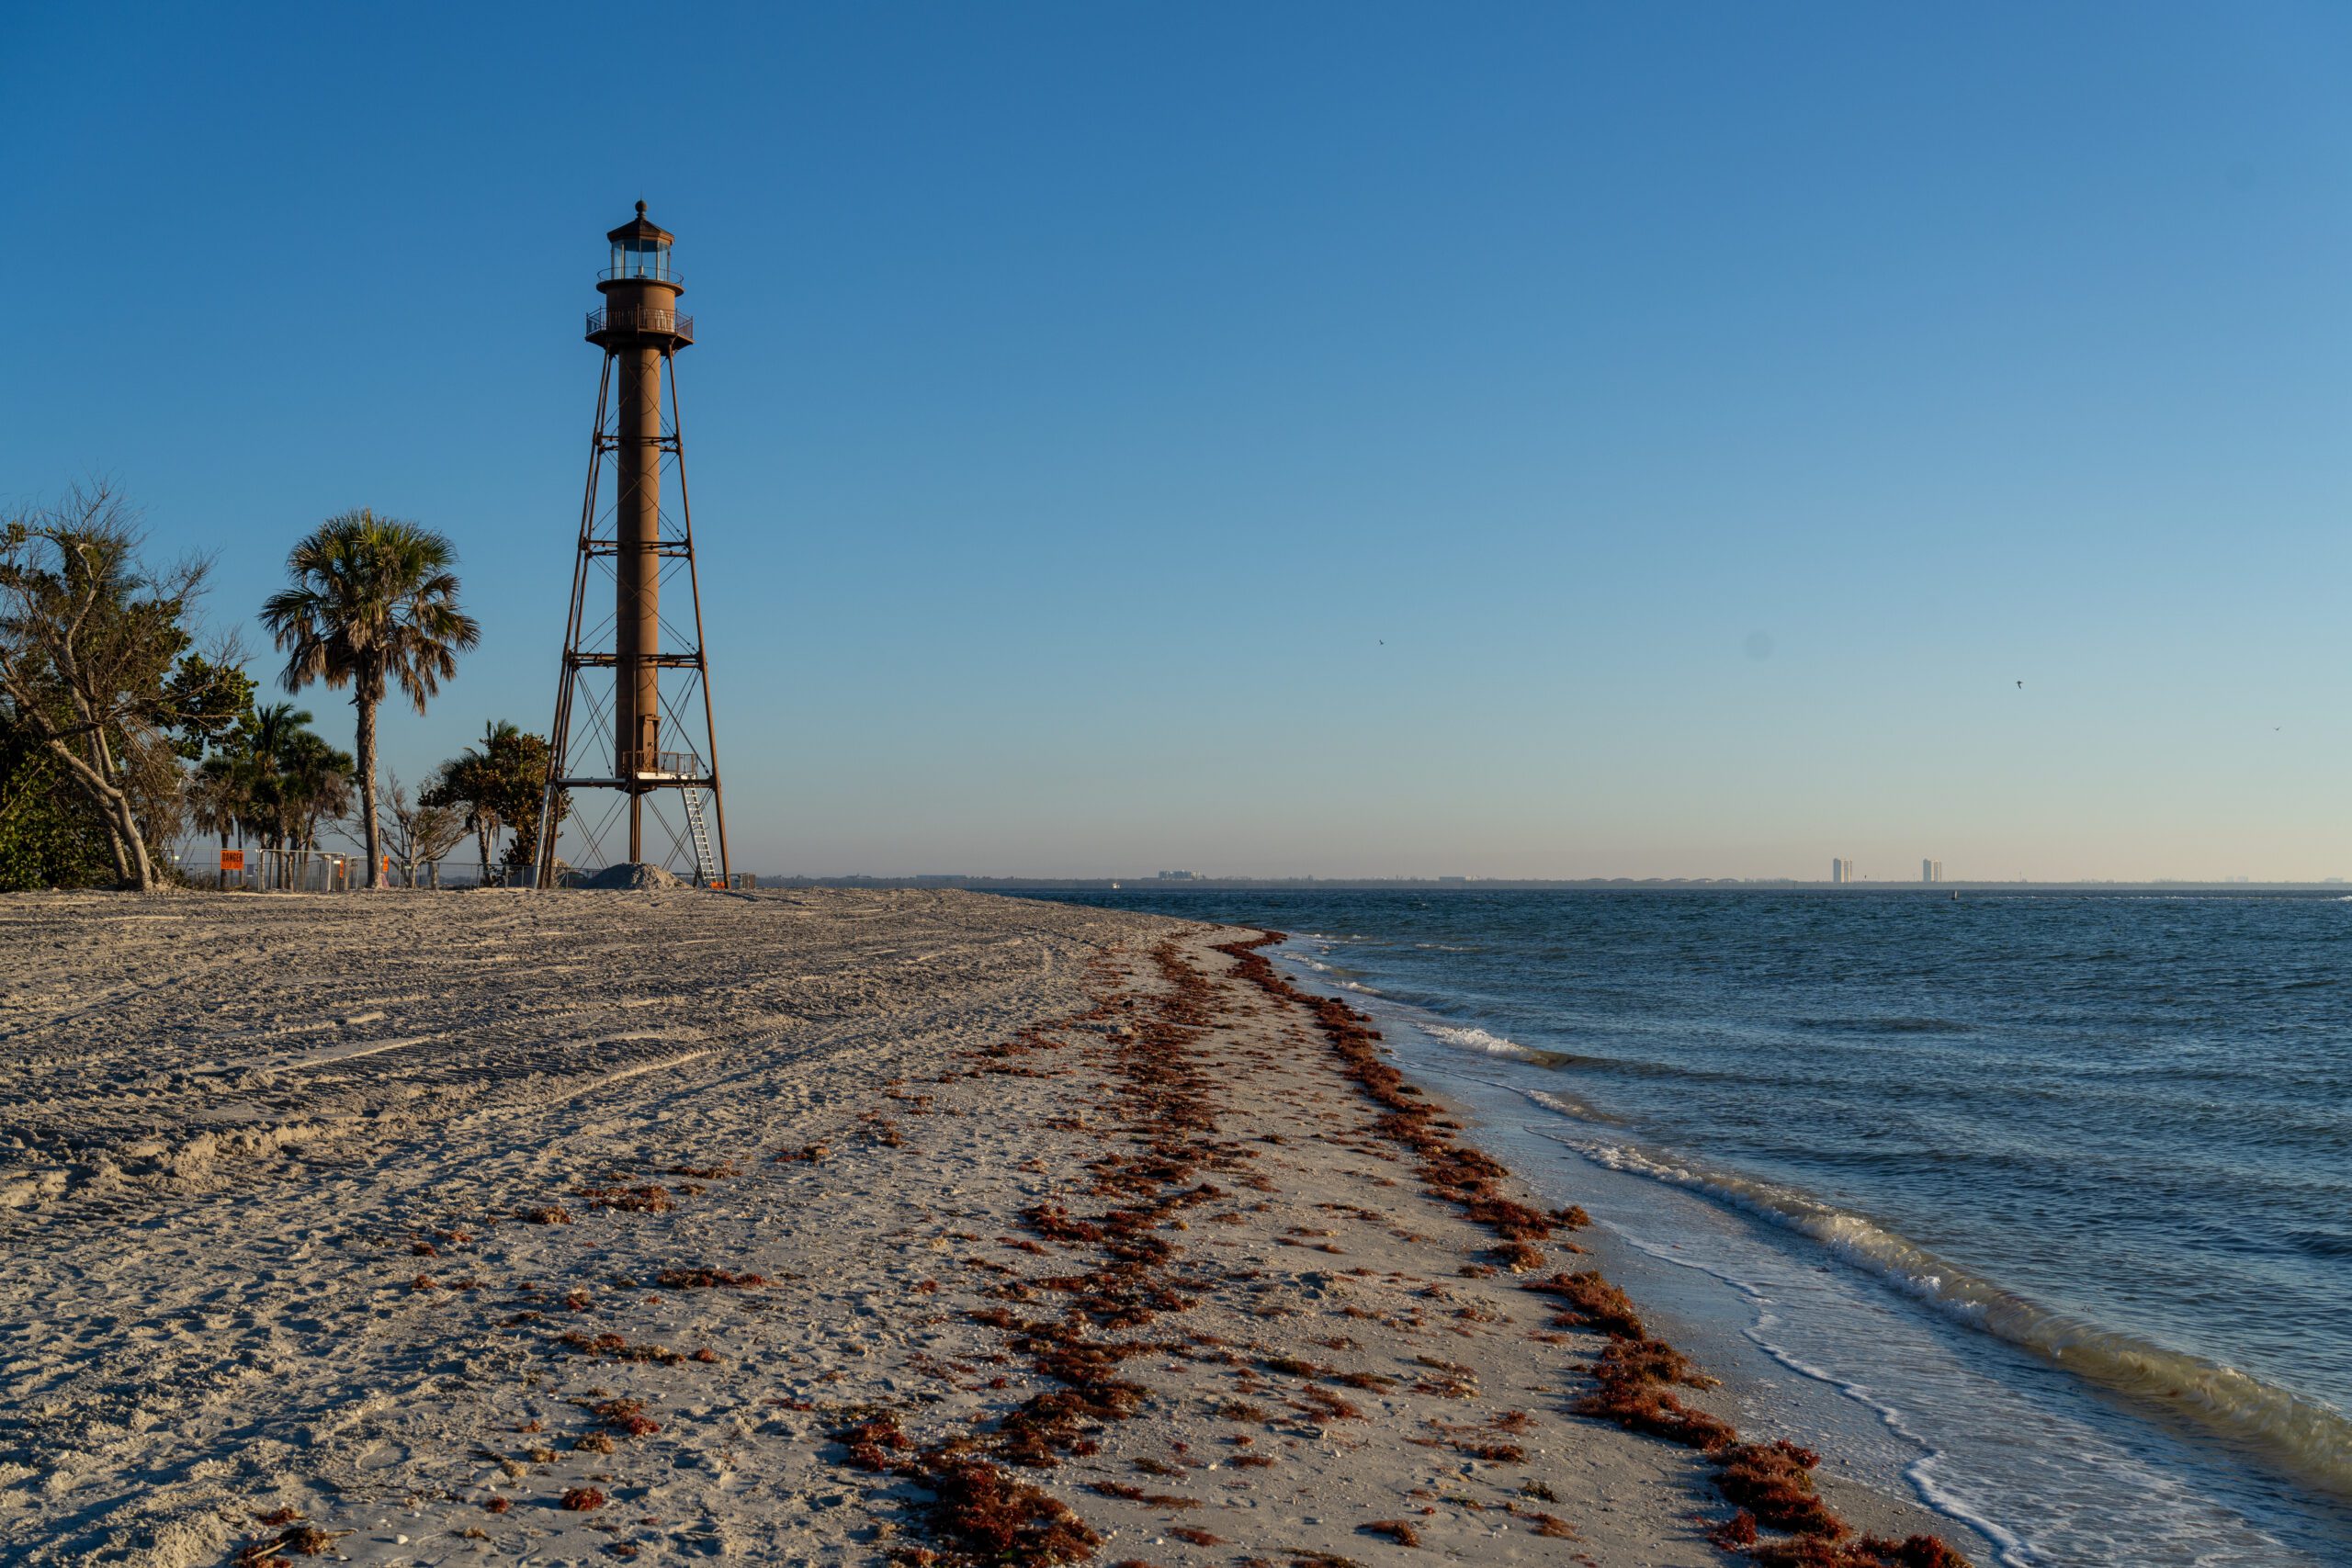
pixel 233 860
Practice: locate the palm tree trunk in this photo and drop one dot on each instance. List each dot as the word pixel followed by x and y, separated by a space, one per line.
pixel 367 749
pixel 481 837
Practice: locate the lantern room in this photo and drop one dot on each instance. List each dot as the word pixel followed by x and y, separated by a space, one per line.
pixel 640 250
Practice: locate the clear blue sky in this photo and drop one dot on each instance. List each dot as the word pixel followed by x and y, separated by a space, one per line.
pixel 1716 409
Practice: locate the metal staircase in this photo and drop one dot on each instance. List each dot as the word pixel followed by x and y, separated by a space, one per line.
pixel 705 865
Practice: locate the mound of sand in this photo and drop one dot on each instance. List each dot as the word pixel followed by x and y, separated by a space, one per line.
pixel 632 876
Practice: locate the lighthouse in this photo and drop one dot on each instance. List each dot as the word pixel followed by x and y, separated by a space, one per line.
pixel 653 745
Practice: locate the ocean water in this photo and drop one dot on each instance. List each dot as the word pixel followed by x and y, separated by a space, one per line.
pixel 2044 1201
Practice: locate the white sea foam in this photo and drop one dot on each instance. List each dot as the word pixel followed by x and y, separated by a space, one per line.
pixel 1567 1107
pixel 1473 1039
pixel 1479 1040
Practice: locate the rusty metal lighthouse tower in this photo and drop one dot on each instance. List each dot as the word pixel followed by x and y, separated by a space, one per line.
pixel 654 748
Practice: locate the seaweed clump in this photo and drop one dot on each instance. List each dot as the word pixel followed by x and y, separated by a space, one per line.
pixel 980 1514
pixel 652 1200
pixel 708 1280
pixel 1870 1551
pixel 986 1513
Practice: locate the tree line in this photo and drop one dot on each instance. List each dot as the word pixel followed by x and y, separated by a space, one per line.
pixel 120 734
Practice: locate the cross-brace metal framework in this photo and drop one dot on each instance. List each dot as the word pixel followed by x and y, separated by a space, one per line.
pixel 638 781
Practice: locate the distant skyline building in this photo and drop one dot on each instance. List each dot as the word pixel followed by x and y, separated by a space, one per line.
pixel 1841 870
pixel 1931 871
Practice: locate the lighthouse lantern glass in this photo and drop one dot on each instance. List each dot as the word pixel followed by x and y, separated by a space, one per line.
pixel 641 258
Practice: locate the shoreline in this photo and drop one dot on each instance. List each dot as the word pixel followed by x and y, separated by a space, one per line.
pixel 917 1220
pixel 1599 1082
pixel 1780 1518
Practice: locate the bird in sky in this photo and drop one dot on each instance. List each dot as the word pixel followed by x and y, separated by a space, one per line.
pixel 2020 686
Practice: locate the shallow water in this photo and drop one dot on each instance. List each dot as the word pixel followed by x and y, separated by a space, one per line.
pixel 2053 1186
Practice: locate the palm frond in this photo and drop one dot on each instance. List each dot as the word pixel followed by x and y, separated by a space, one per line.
pixel 373 605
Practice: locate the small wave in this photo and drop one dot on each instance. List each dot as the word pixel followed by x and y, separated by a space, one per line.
pixel 1332 975
pixel 2320 1243
pixel 1577 1108
pixel 2303 1434
pixel 1886 1025
pixel 1496 1045
pixel 1473 1039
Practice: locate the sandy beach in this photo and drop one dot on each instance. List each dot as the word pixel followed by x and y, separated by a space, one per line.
pixel 833 1227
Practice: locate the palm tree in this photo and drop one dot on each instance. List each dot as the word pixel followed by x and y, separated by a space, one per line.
pixel 269 755
pixel 219 796
pixel 472 780
pixel 373 607
pixel 314 786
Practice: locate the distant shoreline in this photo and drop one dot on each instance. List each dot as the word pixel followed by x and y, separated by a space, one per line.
pixel 1511 884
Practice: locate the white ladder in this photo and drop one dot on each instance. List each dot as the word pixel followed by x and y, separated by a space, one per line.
pixel 706 868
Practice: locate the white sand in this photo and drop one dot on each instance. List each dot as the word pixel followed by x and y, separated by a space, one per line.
pixel 233 1126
